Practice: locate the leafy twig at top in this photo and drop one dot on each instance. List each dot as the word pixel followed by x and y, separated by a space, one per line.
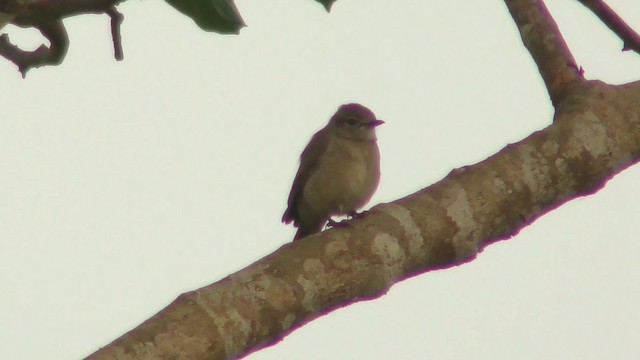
pixel 46 16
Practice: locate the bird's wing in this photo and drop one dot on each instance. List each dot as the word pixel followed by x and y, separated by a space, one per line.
pixel 308 162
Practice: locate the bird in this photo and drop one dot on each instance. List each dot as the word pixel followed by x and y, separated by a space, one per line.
pixel 339 171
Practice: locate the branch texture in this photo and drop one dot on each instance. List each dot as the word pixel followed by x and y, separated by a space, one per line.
pixel 541 36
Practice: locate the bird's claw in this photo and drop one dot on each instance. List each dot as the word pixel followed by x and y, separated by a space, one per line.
pixel 336 224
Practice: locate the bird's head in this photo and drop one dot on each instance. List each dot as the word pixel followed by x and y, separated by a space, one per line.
pixel 355 122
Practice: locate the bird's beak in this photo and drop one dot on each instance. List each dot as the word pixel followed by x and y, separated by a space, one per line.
pixel 376 123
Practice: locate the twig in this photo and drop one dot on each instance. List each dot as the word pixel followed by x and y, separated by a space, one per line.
pixel 43 55
pixel 630 38
pixel 116 21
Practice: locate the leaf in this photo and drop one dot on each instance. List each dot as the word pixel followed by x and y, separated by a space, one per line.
pixel 220 16
pixel 327 3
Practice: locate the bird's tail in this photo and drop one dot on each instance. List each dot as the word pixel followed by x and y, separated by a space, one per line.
pixel 304 231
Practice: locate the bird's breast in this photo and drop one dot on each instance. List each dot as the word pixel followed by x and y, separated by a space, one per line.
pixel 345 178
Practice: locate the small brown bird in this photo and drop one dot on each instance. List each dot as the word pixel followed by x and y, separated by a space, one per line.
pixel 339 170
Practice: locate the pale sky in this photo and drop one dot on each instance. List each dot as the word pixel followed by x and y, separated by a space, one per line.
pixel 124 184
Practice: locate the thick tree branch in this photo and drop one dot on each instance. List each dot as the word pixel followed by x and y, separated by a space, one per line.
pixel 595 134
pixel 609 17
pixel 541 36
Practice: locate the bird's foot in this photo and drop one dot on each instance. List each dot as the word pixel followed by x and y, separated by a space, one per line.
pixel 336 224
pixel 351 215
pixel 357 215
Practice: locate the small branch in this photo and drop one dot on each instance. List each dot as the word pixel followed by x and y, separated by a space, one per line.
pixel 40 10
pixel 46 16
pixel 609 17
pixel 116 21
pixel 541 36
pixel 43 55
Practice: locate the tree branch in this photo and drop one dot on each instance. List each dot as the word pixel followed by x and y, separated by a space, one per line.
pixel 541 36
pixel 48 10
pixel 609 17
pixel 43 55
pixel 595 135
pixel 46 16
pixel 116 21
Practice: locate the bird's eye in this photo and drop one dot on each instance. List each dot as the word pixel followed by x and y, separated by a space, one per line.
pixel 351 121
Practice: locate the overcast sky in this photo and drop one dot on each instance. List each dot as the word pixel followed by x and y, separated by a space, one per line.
pixel 124 184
